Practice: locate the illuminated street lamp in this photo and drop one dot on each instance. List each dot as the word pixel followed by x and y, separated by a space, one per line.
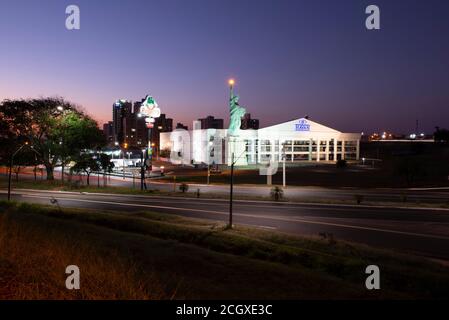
pixel 126 147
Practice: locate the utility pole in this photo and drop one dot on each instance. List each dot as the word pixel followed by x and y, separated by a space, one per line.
pixel 10 169
pixel 209 151
pixel 231 191
pixel 142 170
pixel 283 167
pixel 123 165
pixel 283 174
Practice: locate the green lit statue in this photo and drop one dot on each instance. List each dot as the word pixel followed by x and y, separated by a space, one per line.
pixel 236 111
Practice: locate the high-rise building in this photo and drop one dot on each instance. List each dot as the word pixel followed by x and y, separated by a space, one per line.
pixel 248 123
pixel 179 125
pixel 141 132
pixel 121 109
pixel 164 124
pixel 161 124
pixel 108 131
pixel 211 123
pixel 128 126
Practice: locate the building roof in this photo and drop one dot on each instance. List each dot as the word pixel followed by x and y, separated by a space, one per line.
pixel 301 125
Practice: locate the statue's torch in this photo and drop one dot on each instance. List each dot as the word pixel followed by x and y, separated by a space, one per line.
pixel 231 86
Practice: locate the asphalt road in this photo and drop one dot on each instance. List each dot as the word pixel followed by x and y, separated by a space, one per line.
pixel 416 195
pixel 418 231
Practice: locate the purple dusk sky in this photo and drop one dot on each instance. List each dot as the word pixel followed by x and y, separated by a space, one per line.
pixel 289 58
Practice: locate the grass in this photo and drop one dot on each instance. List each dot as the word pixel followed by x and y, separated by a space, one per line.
pixel 34 256
pixel 192 259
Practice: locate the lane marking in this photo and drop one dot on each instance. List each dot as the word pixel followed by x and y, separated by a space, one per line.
pixel 280 218
pixel 289 204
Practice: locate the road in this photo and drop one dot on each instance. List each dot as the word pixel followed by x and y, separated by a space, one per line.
pixel 418 231
pixel 310 194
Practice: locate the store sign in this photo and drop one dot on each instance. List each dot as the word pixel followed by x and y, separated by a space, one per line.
pixel 302 125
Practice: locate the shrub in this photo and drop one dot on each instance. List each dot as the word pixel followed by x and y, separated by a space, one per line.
pixel 183 187
pixel 358 198
pixel 277 193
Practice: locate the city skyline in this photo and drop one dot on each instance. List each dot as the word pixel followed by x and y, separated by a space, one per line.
pixel 293 57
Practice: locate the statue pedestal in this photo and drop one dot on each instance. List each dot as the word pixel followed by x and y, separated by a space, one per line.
pixel 236 146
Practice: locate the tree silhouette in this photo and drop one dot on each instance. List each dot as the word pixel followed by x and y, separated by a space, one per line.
pixel 58 130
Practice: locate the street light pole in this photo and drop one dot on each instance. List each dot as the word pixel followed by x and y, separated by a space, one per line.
pixel 123 152
pixel 231 191
pixel 10 169
pixel 208 162
pixel 283 167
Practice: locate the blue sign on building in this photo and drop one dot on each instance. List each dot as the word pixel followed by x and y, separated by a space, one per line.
pixel 303 125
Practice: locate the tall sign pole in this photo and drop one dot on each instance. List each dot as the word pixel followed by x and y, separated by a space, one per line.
pixel 150 110
pixel 231 191
pixel 234 126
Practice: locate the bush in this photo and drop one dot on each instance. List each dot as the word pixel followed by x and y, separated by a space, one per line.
pixel 277 193
pixel 183 187
pixel 341 163
pixel 358 198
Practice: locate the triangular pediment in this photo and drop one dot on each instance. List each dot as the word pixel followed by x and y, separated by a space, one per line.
pixel 301 125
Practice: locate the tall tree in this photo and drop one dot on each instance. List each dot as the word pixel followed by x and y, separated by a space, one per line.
pixel 57 129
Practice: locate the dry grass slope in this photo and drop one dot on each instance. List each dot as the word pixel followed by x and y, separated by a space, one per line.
pixel 32 266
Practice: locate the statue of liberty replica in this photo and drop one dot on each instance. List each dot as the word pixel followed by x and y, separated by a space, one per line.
pixel 236 146
pixel 236 112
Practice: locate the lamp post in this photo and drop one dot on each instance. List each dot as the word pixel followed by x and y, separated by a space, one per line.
pixel 284 183
pixel 231 191
pixel 142 171
pixel 60 109
pixel 10 169
pixel 125 146
pixel 208 162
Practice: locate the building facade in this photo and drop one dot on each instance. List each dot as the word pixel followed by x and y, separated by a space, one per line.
pixel 129 127
pixel 211 123
pixel 121 109
pixel 248 123
pixel 108 131
pixel 292 141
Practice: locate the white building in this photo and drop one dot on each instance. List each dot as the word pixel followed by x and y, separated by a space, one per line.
pixel 298 140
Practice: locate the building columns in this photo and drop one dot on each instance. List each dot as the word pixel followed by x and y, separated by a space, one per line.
pixel 310 149
pixel 318 150
pixel 358 150
pixel 327 150
pixel 335 149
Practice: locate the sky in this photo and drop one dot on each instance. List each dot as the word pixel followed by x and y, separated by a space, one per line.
pixel 290 58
